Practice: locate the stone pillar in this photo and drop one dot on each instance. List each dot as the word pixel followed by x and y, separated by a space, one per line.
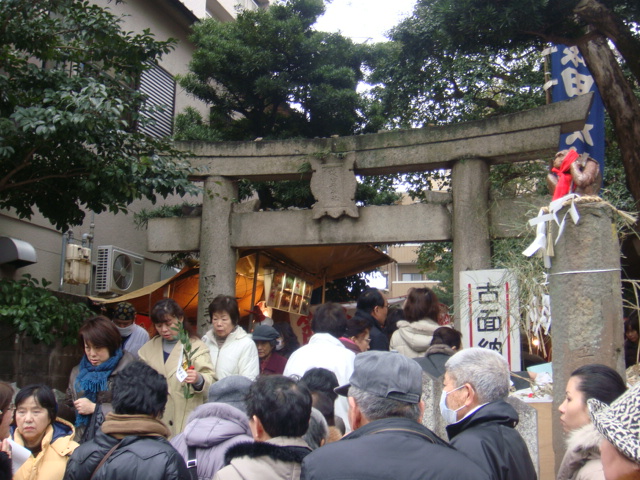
pixel 586 301
pixel 432 418
pixel 528 428
pixel 217 257
pixel 470 219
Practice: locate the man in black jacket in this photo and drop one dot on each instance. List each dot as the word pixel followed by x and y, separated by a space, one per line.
pixel 132 443
pixel 388 442
pixel 373 306
pixel 480 423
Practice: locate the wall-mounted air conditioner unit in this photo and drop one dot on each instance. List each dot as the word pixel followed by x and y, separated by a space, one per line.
pixel 118 270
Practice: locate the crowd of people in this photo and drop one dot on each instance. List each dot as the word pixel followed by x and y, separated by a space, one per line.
pixel 348 404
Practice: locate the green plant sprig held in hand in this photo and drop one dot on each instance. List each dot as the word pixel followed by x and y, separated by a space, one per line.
pixel 188 355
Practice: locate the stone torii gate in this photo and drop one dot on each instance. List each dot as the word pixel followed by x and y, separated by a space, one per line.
pixel 467 217
pixel 593 332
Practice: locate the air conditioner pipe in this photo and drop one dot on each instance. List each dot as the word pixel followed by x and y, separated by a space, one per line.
pixel 66 238
pixel 89 239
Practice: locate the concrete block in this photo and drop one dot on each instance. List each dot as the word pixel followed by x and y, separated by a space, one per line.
pixel 508 217
pixel 248 206
pixel 586 300
pixel 378 224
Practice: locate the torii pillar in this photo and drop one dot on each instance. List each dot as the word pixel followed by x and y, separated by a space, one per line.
pixel 470 219
pixel 586 301
pixel 217 256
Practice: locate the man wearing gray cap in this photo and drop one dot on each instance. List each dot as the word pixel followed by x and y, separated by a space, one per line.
pixel 388 441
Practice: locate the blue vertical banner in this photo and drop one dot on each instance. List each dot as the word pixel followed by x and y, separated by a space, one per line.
pixel 571 77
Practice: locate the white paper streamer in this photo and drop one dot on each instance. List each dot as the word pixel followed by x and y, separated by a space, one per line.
pixel 540 242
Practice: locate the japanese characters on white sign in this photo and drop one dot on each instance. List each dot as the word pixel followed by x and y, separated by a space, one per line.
pixel 489 313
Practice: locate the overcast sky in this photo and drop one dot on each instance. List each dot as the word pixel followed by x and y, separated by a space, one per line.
pixel 364 20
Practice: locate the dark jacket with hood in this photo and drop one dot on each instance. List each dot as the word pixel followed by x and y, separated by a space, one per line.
pixel 136 458
pixel 379 339
pixel 434 360
pixel 5 467
pixel 489 438
pixel 391 448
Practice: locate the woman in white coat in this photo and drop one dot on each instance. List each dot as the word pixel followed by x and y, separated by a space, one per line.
pixel 414 334
pixel 233 352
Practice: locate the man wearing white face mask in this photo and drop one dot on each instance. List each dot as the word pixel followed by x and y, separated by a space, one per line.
pixel 481 424
pixel 388 441
pixel 133 336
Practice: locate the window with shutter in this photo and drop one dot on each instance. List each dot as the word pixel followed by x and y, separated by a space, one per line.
pixel 160 87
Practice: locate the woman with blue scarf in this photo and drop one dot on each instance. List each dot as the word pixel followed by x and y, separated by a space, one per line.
pixel 90 382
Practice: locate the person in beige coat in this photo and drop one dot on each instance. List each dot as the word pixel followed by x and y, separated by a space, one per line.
pixel 414 334
pixel 279 410
pixel 50 439
pixel 165 353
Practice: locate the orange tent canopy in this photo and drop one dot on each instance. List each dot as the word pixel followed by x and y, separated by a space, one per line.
pixel 323 263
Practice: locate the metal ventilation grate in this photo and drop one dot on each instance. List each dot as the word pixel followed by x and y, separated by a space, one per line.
pixel 102 269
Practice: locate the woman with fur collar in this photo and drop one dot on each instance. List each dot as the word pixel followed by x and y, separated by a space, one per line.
pixel 582 459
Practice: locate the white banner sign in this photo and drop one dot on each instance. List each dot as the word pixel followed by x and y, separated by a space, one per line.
pixel 489 313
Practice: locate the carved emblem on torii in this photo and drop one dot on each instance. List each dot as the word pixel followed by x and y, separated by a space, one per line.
pixel 333 185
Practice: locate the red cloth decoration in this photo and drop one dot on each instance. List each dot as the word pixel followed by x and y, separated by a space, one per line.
pixel 258 316
pixel 564 175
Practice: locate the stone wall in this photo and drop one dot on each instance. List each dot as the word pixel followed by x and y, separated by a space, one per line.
pixel 25 362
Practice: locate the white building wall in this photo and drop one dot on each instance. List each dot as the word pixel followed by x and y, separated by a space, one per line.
pixel 165 21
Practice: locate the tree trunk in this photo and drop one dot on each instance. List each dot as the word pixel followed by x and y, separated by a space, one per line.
pixel 621 104
pixel 611 25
